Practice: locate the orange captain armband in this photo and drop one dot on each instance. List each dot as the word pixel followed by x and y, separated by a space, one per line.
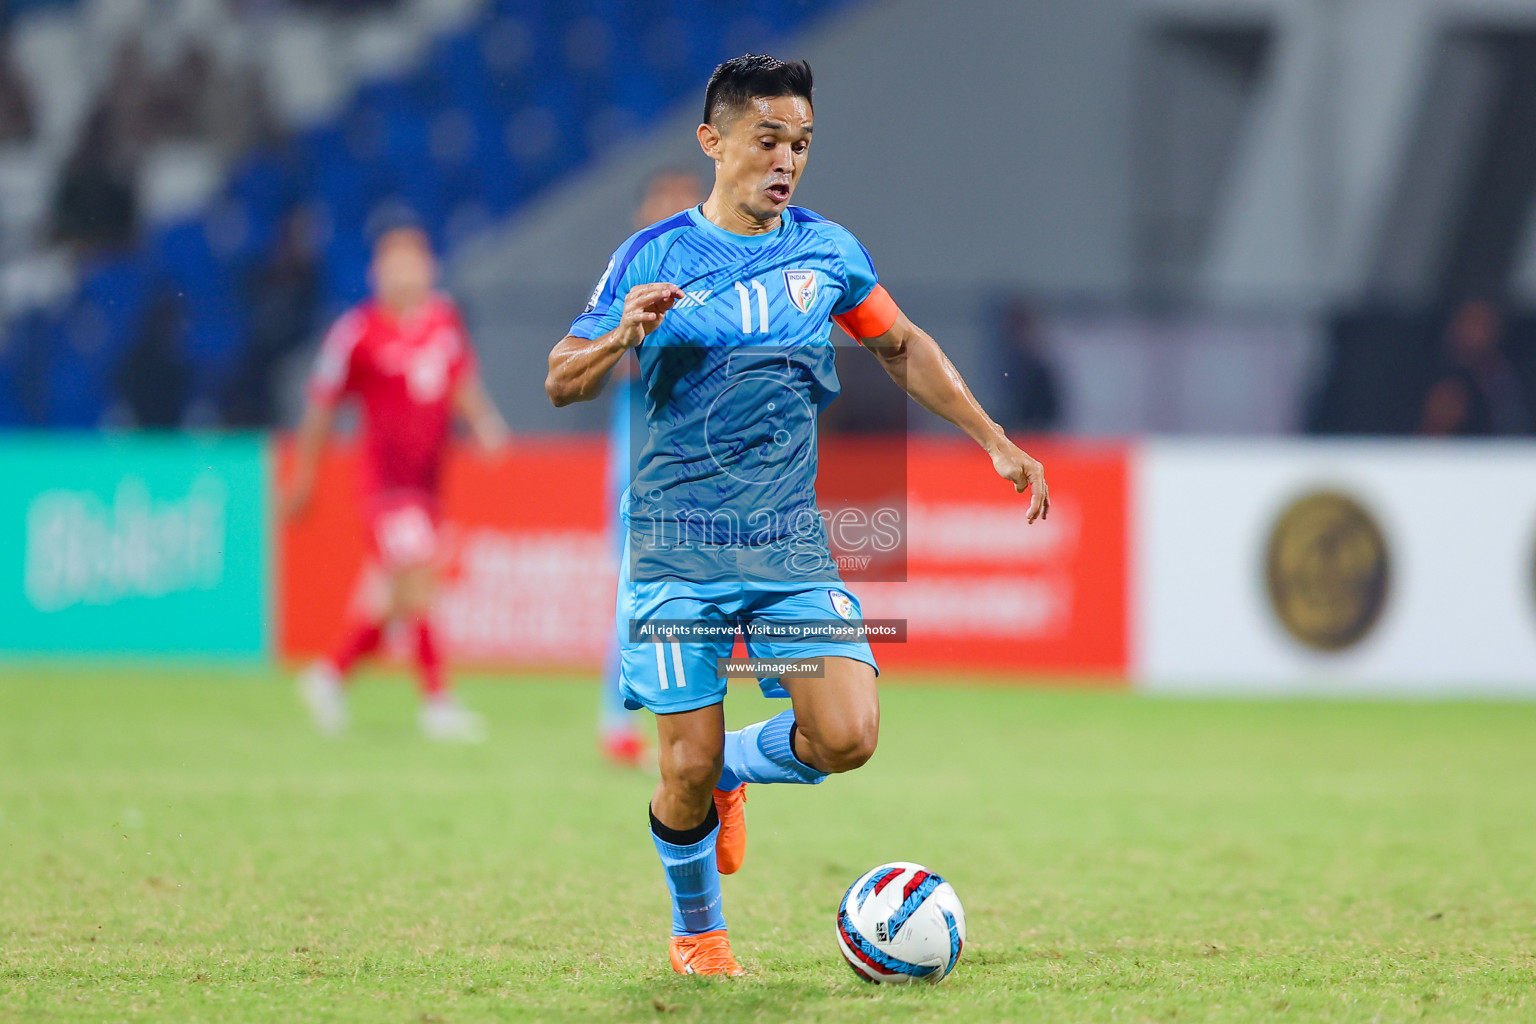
pixel 872 317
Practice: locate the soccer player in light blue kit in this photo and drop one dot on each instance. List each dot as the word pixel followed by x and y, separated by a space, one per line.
pixel 728 307
pixel 665 193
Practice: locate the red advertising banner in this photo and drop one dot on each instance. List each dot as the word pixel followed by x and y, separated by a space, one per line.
pixel 529 574
pixel 528 578
pixel 987 590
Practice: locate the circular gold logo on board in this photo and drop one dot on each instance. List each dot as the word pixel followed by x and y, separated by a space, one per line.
pixel 1327 570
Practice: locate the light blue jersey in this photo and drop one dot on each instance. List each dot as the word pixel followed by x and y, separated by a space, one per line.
pixel 721 505
pixel 723 483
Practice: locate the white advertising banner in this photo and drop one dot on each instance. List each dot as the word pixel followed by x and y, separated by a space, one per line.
pixel 1334 567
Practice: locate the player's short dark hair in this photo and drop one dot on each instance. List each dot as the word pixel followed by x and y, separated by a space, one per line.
pixel 737 82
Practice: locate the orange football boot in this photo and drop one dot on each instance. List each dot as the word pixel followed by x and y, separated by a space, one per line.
pixel 731 842
pixel 709 953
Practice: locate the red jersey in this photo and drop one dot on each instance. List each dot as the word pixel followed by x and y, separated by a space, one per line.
pixel 405 372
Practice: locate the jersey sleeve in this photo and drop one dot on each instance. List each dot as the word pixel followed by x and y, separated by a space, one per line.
pixel 866 309
pixel 333 366
pixel 634 263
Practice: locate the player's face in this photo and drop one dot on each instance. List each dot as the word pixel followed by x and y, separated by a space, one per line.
pixel 404 270
pixel 760 155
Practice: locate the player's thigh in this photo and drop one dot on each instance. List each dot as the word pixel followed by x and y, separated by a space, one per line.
pixel 838 713
pixel 799 609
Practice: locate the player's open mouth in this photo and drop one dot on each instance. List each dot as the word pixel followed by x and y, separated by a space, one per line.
pixel 779 193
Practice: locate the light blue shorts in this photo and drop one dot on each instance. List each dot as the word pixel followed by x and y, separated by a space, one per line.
pixel 670 677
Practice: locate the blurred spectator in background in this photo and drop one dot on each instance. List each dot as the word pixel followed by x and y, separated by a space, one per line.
pixel 1029 399
pixel 177 98
pixel 236 113
pixel 1478 392
pixel 195 99
pixel 125 107
pixel 283 297
pixel 94 206
pixel 15 104
pixel 153 378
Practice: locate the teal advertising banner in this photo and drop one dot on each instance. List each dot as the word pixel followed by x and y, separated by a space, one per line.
pixel 134 544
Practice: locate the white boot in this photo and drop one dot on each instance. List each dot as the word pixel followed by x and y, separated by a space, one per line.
pixel 320 689
pixel 443 718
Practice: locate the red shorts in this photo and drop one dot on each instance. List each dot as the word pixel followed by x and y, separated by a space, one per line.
pixel 403 529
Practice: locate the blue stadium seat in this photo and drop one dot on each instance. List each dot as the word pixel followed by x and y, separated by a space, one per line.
pixel 78 386
pixel 29 342
pixel 114 292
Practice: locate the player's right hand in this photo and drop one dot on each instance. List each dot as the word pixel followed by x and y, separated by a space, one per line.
pixel 644 308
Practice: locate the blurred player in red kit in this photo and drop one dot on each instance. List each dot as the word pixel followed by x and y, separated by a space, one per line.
pixel 405 356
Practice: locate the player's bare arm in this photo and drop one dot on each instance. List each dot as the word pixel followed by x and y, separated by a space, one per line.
pixel 579 367
pixel 308 446
pixel 915 361
pixel 479 413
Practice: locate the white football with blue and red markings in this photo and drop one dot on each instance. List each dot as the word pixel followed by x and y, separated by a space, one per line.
pixel 901 923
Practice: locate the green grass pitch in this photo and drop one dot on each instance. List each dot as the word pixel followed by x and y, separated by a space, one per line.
pixel 175 845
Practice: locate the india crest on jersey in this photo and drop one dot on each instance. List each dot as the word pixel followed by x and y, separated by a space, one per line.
pixel 801 285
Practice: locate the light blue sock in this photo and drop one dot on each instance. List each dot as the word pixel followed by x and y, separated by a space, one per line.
pixel 762 753
pixel 694 881
pixel 728 780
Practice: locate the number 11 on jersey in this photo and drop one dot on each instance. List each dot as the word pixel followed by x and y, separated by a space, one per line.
pixel 746 307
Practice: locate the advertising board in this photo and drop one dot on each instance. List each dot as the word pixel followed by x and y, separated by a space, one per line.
pixel 134 543
pixel 1335 567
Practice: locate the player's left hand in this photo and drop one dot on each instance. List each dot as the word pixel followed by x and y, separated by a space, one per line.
pixel 1026 474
